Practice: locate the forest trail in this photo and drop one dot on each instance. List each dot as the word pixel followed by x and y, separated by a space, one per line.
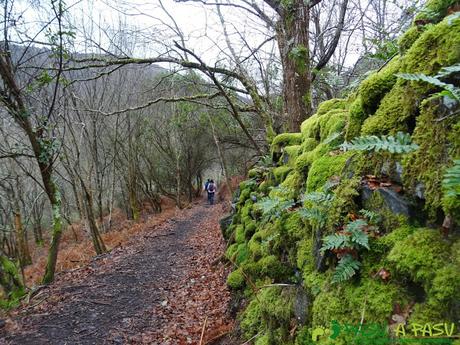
pixel 157 290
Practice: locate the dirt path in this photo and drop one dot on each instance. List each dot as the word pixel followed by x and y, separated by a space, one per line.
pixel 159 290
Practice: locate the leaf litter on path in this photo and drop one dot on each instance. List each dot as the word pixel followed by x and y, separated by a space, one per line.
pixel 157 290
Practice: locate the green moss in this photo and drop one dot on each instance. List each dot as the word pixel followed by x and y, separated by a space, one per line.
pixel 308 144
pixel 390 220
pixel 419 255
pixel 286 139
pixel 10 282
pixel 439 145
pixel 251 319
pixel 310 128
pixel 230 253
pixel 239 234
pixel 280 173
pixel 256 249
pixel 305 160
pixel 438 46
pixel 246 211
pixel 293 185
pixel 445 287
pixel 374 87
pixel 270 314
pixel 242 253
pixel 255 173
pixel 290 154
pixel 332 122
pixel 335 103
pixel 270 266
pixel 397 235
pixel 305 254
pixel 236 280
pixel 344 303
pixel 435 10
pixel 396 110
pixel 264 187
pixel 244 195
pixel 355 118
pixel 408 38
pixel 344 201
pixel 324 168
pixel 293 227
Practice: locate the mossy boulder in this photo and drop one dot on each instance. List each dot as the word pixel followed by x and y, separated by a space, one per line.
pixel 325 167
pixel 420 255
pixel 280 173
pixel 332 104
pixel 439 144
pixel 235 279
pixel 270 312
pixel 310 128
pixel 356 117
pixel 286 139
pixel 437 46
pixel 374 87
pixel 434 11
pixel 290 154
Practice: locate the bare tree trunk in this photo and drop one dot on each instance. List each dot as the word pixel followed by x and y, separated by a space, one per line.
pixel 178 184
pixel 98 243
pixel 23 246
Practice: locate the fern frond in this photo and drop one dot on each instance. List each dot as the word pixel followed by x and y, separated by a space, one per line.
pixel 446 71
pixel 318 197
pixel 372 217
pixel 345 269
pixel 358 236
pixel 453 92
pixel 332 137
pixel 314 214
pixel 335 241
pixel 451 181
pixel 400 143
pixel 273 207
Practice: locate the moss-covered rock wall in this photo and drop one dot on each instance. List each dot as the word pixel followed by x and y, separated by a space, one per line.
pixel 323 236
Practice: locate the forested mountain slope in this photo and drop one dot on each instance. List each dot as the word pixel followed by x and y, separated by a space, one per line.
pixel 355 220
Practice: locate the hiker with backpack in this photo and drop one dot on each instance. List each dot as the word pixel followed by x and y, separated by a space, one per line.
pixel 211 189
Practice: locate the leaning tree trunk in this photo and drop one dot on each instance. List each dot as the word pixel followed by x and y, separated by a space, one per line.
pixel 98 243
pixel 292 35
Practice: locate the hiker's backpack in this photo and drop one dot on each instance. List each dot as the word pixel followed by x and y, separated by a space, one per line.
pixel 211 188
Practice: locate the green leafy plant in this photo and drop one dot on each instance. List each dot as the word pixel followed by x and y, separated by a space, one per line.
pixel 315 208
pixel 346 244
pixel 353 237
pixel 346 268
pixel 273 207
pixel 449 90
pixel 372 217
pixel 299 54
pixel 400 143
pixel 451 181
pixel 265 161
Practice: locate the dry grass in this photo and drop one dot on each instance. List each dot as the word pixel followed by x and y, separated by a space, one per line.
pixel 76 249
